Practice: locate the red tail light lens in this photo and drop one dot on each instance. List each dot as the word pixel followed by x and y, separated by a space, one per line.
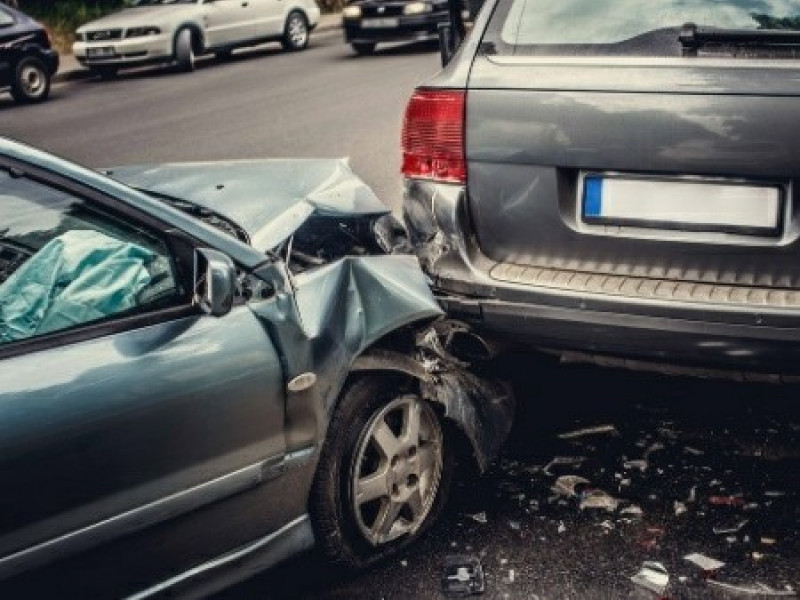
pixel 433 136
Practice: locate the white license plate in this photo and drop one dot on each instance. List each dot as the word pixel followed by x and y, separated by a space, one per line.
pixel 383 23
pixel 103 52
pixel 687 205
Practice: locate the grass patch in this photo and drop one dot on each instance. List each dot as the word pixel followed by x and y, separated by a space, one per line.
pixel 63 17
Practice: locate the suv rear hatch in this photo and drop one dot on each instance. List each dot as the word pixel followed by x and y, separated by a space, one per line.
pixel 646 151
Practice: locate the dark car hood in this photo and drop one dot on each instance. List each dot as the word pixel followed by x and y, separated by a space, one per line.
pixel 268 199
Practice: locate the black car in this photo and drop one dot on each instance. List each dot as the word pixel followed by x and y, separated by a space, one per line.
pixel 367 22
pixel 27 59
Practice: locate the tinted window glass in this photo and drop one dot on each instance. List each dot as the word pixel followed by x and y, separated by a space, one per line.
pixel 5 18
pixel 637 27
pixel 64 263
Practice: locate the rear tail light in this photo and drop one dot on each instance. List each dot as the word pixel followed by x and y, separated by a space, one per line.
pixel 433 136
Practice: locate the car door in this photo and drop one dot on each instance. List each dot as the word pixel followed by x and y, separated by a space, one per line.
pixel 6 35
pixel 121 405
pixel 268 17
pixel 228 22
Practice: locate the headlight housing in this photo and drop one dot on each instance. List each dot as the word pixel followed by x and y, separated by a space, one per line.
pixel 417 8
pixel 142 31
pixel 351 12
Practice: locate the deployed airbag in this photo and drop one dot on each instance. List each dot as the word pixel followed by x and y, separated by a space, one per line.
pixel 77 277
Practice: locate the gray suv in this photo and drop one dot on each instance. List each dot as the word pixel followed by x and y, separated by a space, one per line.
pixel 617 181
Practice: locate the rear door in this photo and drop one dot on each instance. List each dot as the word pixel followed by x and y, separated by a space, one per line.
pixel 599 143
pixel 120 406
pixel 228 22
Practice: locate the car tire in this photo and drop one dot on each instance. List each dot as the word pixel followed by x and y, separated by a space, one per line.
pixel 106 73
pixel 364 48
pixel 295 32
pixel 31 81
pixel 371 439
pixel 184 51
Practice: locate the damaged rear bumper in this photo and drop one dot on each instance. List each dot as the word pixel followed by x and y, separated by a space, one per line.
pixel 705 339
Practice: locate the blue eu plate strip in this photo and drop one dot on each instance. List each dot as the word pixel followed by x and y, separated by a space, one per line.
pixel 593 196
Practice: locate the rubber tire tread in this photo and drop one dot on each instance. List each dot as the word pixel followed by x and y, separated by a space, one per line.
pixel 339 539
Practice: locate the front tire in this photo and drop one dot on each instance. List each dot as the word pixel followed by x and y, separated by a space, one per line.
pixel 295 32
pixel 31 81
pixel 184 51
pixel 384 472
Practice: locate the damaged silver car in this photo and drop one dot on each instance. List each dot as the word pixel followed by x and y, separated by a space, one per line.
pixel 205 368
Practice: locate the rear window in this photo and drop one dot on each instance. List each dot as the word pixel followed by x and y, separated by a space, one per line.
pixel 646 27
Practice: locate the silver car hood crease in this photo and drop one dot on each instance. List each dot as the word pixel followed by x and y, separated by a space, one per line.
pixel 270 199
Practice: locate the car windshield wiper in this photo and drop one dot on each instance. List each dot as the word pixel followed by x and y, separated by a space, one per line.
pixel 693 36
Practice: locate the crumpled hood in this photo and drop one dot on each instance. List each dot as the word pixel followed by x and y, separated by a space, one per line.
pixel 144 16
pixel 268 199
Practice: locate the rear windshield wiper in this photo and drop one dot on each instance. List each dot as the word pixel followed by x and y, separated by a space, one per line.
pixel 693 37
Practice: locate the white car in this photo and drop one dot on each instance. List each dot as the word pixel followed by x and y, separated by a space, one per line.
pixel 166 31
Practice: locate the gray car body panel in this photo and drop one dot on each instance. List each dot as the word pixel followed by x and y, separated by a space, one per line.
pixel 130 391
pixel 535 125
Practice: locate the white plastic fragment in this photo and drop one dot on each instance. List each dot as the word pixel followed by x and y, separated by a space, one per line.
pixel 704 562
pixel 679 508
pixel 569 461
pixel 632 511
pixel 732 529
pixel 566 484
pixel 652 576
pixel 561 527
pixel 595 430
pixel 599 499
pixel 758 590
pixel 639 464
pixel 479 517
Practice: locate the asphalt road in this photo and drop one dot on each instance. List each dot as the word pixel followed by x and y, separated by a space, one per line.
pixel 323 102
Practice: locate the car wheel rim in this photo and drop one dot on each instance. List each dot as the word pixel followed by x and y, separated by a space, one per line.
pixel 396 470
pixel 297 32
pixel 32 80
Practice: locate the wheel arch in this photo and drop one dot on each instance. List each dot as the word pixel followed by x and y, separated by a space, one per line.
pixel 481 406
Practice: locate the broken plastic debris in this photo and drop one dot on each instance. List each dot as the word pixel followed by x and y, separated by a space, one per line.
pixel 758 590
pixel 726 500
pixel 404 563
pixel 561 527
pixel 736 528
pixel 598 499
pixel 639 464
pixel 567 485
pixel 652 576
pixel 704 562
pixel 463 576
pixel 679 508
pixel 632 511
pixel 568 461
pixel 597 429
pixel 479 517
pixel 515 525
pixel 511 576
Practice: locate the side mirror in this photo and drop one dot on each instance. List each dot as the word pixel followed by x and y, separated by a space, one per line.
pixel 214 282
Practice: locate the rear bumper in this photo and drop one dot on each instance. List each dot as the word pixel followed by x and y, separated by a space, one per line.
pixel 413 27
pixel 709 335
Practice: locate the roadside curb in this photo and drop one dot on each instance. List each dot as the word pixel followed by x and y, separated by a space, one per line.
pixel 72 70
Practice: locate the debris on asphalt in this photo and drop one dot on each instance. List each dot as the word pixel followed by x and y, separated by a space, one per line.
pixel 480 517
pixel 704 562
pixel 598 499
pixel 736 528
pixel 568 485
pixel 653 576
pixel 562 461
pixel 587 431
pixel 752 590
pixel 463 576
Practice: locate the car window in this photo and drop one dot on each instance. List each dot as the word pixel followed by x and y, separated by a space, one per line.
pixel 5 18
pixel 639 27
pixel 65 263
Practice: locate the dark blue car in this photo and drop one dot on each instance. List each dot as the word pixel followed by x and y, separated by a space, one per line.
pixel 27 59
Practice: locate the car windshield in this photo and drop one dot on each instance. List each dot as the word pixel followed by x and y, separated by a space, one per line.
pixel 640 27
